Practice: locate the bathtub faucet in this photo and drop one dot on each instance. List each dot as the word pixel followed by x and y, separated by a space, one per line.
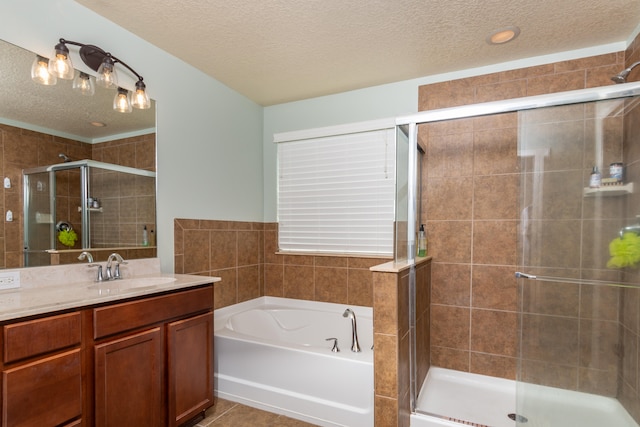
pixel 355 347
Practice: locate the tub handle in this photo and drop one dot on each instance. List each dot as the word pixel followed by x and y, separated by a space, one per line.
pixel 335 348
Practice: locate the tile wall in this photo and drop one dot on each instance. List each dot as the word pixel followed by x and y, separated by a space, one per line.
pixel 471 176
pixel 244 255
pixel 23 149
pixel 629 345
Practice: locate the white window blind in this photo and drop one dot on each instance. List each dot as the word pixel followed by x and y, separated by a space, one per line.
pixel 336 194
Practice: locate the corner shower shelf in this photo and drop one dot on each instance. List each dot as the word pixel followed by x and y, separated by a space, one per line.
pixel 609 191
pixel 90 209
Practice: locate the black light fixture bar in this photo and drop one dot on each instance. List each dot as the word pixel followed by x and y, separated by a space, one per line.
pixel 93 56
pixel 60 65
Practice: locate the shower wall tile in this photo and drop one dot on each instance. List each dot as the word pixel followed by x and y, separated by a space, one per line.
pixel 600 302
pixel 552 298
pixel 493 242
pixel 492 365
pixel 495 197
pixel 550 339
pixel 486 246
pixel 449 154
pixel 501 90
pixel 557 82
pixel 548 374
pixel 494 332
pixel 449 241
pixel 452 195
pixel 450 326
pixel 493 287
pixel 451 284
pixel 450 358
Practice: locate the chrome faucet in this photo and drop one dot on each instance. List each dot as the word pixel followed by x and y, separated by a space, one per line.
pixel 355 347
pixel 116 273
pixel 87 255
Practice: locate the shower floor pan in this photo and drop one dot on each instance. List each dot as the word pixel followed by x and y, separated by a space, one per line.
pixel 452 398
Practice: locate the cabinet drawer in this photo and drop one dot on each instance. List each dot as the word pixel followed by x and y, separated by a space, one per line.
pixel 131 315
pixel 34 337
pixel 47 392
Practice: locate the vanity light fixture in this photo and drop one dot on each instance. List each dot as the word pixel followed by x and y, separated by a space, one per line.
pixel 503 35
pixel 60 66
pixel 40 72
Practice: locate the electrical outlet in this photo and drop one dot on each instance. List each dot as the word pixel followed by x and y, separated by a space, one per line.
pixel 9 279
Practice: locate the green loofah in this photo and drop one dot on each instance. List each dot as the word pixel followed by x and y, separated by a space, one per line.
pixel 67 237
pixel 625 251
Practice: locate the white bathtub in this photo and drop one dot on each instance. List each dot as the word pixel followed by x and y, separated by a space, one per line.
pixel 271 353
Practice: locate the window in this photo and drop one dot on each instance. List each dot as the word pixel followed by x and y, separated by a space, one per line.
pixel 336 193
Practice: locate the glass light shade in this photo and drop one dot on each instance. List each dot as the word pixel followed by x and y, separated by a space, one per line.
pixel 40 72
pixel 139 98
pixel 107 76
pixel 83 83
pixel 60 63
pixel 121 101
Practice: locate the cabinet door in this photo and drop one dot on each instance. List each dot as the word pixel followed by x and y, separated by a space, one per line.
pixel 128 383
pixel 47 392
pixel 190 386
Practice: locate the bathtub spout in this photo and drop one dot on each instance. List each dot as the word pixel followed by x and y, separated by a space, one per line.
pixel 355 346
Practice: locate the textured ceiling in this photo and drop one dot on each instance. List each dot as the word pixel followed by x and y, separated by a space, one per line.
pixel 58 107
pixel 275 51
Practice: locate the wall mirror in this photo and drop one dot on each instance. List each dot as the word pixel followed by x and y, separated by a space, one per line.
pixel 61 151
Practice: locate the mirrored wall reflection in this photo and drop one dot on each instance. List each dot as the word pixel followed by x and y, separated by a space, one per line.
pixel 57 225
pixel 45 125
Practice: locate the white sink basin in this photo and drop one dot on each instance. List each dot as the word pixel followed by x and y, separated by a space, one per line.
pixel 141 282
pixel 114 286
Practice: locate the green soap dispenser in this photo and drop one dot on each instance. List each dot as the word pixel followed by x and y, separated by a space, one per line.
pixel 422 242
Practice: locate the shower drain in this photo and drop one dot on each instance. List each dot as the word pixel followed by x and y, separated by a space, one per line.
pixel 466 423
pixel 518 418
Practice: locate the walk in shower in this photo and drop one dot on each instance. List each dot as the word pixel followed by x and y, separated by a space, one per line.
pixel 557 346
pixel 105 206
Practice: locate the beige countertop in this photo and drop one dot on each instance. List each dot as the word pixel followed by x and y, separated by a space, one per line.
pixel 50 289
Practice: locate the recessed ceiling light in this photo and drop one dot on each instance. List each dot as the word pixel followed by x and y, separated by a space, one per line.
pixel 503 35
pixel 97 124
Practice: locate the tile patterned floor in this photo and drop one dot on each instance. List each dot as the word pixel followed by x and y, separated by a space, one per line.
pixel 230 414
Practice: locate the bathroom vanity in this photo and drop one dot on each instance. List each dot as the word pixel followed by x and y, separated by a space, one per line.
pixel 118 353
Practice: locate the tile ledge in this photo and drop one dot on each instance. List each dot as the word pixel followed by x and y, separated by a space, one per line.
pixel 396 267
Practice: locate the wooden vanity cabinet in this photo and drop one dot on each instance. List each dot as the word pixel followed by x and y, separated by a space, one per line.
pixel 42 372
pixel 140 362
pixel 154 359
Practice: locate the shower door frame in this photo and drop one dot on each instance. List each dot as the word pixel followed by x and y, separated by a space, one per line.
pixel 601 93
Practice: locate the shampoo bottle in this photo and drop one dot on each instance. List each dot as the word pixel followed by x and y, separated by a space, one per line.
pixel 595 179
pixel 145 237
pixel 422 242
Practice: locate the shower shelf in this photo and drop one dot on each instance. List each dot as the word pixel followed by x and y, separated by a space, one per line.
pixel 610 191
pixel 90 209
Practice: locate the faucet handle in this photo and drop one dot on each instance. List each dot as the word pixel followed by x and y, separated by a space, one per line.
pixel 99 278
pixel 335 348
pixel 116 272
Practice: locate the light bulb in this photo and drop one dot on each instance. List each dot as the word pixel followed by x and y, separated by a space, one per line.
pixel 107 76
pixel 40 72
pixel 140 98
pixel 60 63
pixel 121 101
pixel 84 84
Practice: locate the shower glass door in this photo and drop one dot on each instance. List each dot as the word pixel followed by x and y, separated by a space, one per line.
pixel 579 250
pixel 39 208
